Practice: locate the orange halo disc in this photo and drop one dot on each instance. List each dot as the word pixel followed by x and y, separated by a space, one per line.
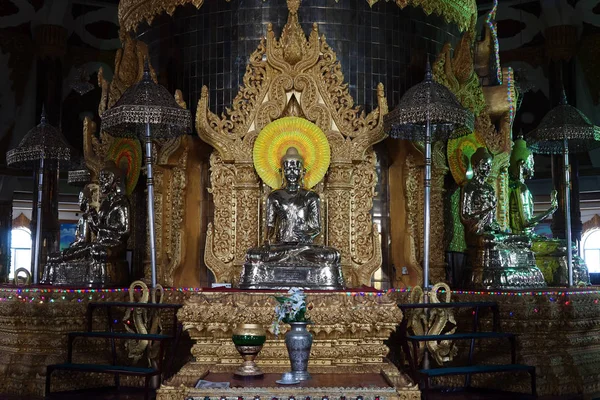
pixel 278 136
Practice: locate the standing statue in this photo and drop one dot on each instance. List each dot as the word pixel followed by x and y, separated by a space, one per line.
pixel 550 254
pixel 100 261
pixel 497 259
pixel 288 256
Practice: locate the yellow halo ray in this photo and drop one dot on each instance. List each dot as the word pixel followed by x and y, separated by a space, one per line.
pixel 278 136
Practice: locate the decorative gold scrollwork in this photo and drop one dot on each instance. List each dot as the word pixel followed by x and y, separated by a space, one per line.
pixel 299 75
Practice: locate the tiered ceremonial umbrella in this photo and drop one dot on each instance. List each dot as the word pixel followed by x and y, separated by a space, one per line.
pixel 147 110
pixel 79 175
pixel 42 149
pixel 428 111
pixel 565 130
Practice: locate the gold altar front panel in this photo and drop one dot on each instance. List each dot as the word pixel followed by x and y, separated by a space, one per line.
pixel 349 334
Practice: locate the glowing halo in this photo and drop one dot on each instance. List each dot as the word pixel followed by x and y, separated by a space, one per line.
pixel 459 154
pixel 127 155
pixel 278 136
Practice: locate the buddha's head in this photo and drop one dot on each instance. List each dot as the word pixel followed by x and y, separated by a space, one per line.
pixel 521 161
pixel 111 178
pixel 481 162
pixel 292 167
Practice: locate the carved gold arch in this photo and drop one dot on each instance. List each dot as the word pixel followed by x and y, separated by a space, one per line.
pixel 300 76
pixel 592 224
pixel 21 222
pixel 133 12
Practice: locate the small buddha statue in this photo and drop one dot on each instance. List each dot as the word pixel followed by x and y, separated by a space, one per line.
pixel 550 254
pixel 497 259
pixel 83 233
pixel 100 261
pixel 288 256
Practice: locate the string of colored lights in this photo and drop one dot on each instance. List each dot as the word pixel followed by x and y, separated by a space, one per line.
pixel 512 99
pixel 490 20
pixel 51 295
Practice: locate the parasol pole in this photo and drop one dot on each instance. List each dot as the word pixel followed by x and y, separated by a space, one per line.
pixel 568 210
pixel 38 224
pixel 150 186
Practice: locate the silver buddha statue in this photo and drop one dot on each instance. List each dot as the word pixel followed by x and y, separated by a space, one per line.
pixel 288 257
pixel 497 259
pixel 97 257
pixel 550 254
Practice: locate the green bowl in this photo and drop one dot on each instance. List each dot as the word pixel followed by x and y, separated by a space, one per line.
pixel 248 340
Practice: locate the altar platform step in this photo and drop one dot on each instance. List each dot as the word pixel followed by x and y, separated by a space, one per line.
pixel 423 376
pixel 146 373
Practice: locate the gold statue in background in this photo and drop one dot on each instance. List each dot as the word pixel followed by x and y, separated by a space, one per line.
pixel 288 256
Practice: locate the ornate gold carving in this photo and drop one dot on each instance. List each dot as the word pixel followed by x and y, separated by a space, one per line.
pixel 296 75
pixel 593 223
pixel 433 322
pixel 349 334
pixel 415 203
pixel 175 200
pixel 145 321
pixel 129 68
pixel 134 12
pixel 21 222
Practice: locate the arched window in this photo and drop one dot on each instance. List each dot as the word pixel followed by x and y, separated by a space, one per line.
pixel 20 250
pixel 591 250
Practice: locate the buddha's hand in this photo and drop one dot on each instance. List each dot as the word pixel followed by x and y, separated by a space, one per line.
pixel 553 199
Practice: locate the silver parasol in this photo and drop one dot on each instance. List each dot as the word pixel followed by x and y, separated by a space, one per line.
pixel 147 110
pixel 80 175
pixel 42 149
pixel 428 111
pixel 565 130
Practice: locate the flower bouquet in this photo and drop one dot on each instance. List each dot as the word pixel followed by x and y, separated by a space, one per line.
pixel 291 308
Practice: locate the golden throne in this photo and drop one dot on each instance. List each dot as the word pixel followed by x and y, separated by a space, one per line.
pixel 293 76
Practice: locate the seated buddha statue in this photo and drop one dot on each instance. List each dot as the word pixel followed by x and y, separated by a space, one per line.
pixel 288 256
pixel 100 261
pixel 550 254
pixel 83 233
pixel 497 259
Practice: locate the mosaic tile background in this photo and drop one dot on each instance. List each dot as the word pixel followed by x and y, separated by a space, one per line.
pixel 211 46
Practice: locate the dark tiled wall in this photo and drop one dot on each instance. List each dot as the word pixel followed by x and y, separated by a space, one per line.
pixel 211 46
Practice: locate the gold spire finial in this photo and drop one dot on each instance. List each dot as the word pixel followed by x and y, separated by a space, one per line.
pixel 292 37
pixel 293 6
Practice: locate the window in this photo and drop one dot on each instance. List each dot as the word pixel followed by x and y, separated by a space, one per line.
pixel 591 250
pixel 20 250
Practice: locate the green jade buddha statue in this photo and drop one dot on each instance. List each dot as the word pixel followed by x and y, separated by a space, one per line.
pixel 550 254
